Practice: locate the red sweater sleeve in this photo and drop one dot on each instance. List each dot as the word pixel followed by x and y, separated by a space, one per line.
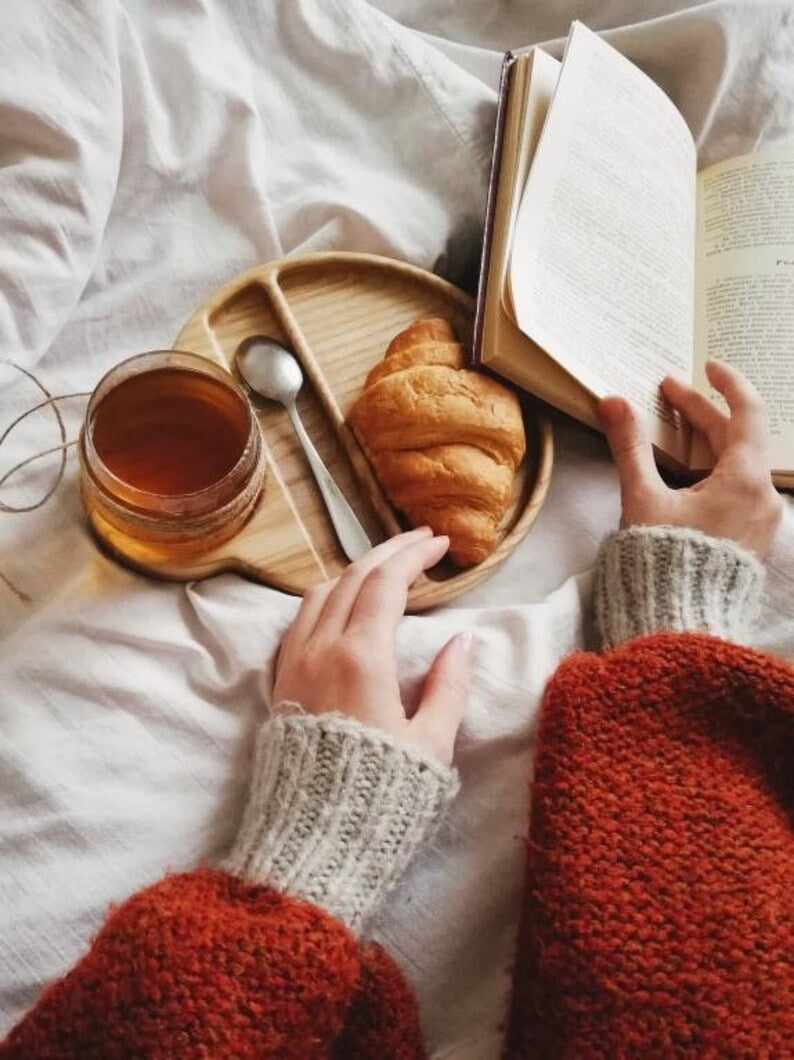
pixel 658 914
pixel 203 964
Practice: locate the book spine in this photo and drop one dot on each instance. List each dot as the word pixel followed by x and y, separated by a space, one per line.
pixel 490 206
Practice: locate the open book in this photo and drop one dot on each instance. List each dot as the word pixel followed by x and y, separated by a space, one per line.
pixel 609 262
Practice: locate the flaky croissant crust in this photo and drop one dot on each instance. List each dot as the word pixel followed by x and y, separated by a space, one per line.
pixel 444 441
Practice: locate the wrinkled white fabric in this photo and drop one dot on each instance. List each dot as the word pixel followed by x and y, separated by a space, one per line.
pixel 149 151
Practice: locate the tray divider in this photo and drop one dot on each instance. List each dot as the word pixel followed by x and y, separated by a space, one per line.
pixel 354 453
pixel 243 550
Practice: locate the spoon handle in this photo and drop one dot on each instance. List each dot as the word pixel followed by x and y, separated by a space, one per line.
pixel 349 530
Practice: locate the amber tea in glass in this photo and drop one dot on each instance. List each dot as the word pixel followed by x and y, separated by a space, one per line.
pixel 170 452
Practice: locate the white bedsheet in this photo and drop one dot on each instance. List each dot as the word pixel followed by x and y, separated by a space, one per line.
pixel 149 151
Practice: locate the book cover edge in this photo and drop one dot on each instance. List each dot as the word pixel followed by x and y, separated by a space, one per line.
pixel 490 206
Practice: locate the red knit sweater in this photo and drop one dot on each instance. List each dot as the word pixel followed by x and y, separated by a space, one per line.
pixel 658 918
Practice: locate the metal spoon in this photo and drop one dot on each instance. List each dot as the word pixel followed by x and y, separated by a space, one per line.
pixel 272 371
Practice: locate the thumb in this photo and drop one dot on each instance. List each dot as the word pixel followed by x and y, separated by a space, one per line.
pixel 444 698
pixel 631 449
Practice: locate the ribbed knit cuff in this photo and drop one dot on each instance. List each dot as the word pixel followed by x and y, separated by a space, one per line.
pixel 336 811
pixel 650 578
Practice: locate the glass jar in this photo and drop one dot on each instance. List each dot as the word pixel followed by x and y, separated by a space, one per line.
pixel 170 453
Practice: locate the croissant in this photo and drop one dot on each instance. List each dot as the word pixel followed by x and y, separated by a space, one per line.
pixel 444 441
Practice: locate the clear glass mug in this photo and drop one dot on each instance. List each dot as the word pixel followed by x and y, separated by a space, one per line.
pixel 173 460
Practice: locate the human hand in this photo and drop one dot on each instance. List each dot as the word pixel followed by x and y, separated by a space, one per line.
pixel 339 653
pixel 737 499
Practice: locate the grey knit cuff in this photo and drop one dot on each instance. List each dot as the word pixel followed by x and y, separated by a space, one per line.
pixel 649 578
pixel 336 811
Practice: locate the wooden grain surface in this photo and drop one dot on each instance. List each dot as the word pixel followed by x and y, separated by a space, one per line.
pixel 337 312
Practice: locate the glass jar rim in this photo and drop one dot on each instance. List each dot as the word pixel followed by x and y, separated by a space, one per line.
pixel 144 500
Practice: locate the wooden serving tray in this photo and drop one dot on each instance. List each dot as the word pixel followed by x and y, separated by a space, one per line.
pixel 337 312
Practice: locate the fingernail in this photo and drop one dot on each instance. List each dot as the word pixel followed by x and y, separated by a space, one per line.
pixel 465 642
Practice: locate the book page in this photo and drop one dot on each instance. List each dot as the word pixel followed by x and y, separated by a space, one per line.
pixel 505 349
pixel 602 265
pixel 744 297
pixel 540 75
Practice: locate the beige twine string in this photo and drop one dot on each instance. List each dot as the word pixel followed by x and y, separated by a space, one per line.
pixel 51 400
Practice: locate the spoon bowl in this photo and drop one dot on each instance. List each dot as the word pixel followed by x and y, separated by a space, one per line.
pixel 270 369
